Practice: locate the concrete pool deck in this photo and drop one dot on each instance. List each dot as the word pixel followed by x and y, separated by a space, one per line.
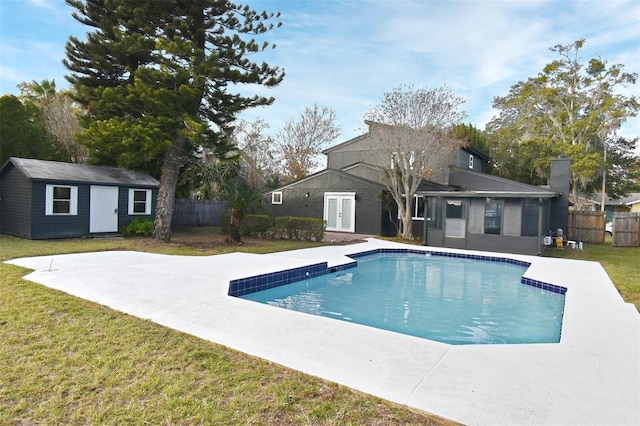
pixel 591 377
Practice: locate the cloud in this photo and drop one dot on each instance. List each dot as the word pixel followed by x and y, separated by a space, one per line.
pixel 346 54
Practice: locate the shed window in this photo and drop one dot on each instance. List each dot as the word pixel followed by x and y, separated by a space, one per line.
pixel 61 200
pixel 471 161
pixel 276 198
pixel 139 201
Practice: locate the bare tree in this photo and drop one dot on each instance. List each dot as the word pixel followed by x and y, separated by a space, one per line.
pixel 412 142
pixel 302 140
pixel 258 163
pixel 60 115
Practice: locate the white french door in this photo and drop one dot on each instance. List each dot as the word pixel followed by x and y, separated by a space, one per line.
pixel 340 211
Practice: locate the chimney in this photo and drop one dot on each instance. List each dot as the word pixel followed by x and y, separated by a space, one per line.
pixel 560 182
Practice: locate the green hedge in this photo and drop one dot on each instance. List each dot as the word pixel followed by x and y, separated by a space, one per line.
pixel 255 225
pixel 298 228
pixel 284 227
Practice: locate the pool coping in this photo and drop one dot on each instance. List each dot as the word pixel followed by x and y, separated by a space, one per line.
pixel 591 376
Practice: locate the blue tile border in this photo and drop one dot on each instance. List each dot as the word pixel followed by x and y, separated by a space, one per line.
pixel 248 285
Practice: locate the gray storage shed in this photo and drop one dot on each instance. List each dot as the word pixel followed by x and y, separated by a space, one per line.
pixel 48 199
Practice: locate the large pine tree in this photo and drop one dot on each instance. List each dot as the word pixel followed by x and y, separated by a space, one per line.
pixel 154 78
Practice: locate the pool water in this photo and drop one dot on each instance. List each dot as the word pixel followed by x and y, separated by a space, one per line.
pixel 451 300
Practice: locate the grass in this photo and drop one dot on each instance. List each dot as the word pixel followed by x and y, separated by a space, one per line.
pixel 621 264
pixel 64 360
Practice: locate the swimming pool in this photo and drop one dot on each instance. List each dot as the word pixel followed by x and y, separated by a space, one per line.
pixel 455 300
pixel 470 384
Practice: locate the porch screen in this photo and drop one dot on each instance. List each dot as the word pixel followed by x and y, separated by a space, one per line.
pixel 530 215
pixel 455 224
pixel 513 217
pixel 476 216
pixel 434 212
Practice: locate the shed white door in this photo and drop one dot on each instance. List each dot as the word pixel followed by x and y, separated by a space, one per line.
pixel 103 209
pixel 340 211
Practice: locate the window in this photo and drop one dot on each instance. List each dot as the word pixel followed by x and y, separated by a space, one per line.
pixel 61 200
pixel 396 158
pixel 493 216
pixel 276 198
pixel 139 201
pixel 417 208
pixel 471 161
pixel 455 209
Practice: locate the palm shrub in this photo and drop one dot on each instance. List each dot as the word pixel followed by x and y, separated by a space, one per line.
pixel 254 225
pixel 241 198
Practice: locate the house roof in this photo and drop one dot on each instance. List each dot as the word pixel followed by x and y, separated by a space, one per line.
pixel 329 171
pixel 70 172
pixel 488 194
pixel 343 144
pixel 481 181
pixel 465 145
pixel 424 185
pixel 484 185
pixel 631 199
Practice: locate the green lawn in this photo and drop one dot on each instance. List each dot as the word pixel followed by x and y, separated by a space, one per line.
pixel 64 360
pixel 621 263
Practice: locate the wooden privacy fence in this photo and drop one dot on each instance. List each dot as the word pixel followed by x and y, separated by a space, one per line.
pixel 197 213
pixel 626 229
pixel 587 227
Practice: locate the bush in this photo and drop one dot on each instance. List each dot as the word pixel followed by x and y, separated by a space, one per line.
pixel 139 226
pixel 255 225
pixel 298 228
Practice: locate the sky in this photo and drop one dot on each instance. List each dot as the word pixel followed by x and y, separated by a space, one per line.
pixel 345 54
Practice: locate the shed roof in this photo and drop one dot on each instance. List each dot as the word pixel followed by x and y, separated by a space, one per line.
pixel 70 172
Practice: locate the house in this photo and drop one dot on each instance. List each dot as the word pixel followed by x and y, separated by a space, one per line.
pixel 460 207
pixel 349 194
pixel 630 203
pixel 47 199
pixel 495 214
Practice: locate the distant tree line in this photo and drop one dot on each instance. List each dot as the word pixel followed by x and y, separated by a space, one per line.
pixel 150 91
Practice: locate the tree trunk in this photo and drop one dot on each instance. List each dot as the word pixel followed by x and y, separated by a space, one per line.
pixel 407 225
pixel 235 223
pixel 167 190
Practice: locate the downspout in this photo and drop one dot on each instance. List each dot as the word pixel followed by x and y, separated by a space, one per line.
pixel 540 225
pixel 426 225
pixel 604 182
